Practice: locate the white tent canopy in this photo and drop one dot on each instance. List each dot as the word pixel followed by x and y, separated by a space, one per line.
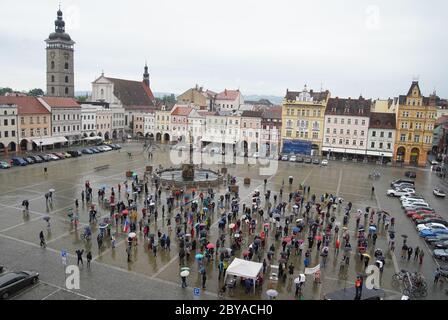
pixel 245 269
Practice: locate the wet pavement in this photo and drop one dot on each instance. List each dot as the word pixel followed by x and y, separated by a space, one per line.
pixel 147 277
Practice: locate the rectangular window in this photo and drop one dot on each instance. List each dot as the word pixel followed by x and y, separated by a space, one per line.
pixel 373 133
pixel 349 121
pixel 390 135
pixel 6 134
pixel 340 141
pixel 356 121
pixel 372 145
pixel 381 145
pixel 355 132
pixel 5 122
pixel 335 120
pixel 403 137
pixel 333 141
pixel 328 130
pixel 327 140
pixel 363 122
pixel 334 131
pixel 417 138
pixel 341 131
pixel 388 146
pixel 13 122
pixel 13 133
pixel 347 142
pixel 342 121
pixel 315 135
pixel 382 134
pixel 361 143
pixel 362 133
pixel 23 133
pixel 328 120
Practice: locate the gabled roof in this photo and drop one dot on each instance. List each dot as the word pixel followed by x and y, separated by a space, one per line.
pixel 272 113
pixel 317 96
pixel 252 114
pixel 132 93
pixel 414 85
pixel 25 105
pixel 60 102
pixel 382 120
pixel 349 107
pixel 181 110
pixel 228 95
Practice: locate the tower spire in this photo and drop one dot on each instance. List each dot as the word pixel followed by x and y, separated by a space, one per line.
pixel 146 75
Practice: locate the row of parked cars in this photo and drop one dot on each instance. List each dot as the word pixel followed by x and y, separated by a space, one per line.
pixel 431 226
pixel 298 158
pixel 32 159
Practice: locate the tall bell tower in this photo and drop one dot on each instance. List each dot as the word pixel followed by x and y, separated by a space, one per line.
pixel 60 68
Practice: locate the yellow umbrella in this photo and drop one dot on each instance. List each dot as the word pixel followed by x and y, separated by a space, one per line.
pixel 366 255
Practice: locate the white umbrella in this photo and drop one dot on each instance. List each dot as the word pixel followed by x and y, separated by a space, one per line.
pixel 185 273
pixel 132 235
pixel 300 279
pixel 231 226
pixel 272 293
pixel 51 190
pixel 380 263
pixel 299 220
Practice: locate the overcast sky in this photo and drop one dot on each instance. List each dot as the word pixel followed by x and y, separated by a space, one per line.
pixel 264 47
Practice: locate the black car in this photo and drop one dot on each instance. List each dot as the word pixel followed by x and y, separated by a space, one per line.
pixel 37 159
pixel 441 244
pixel 411 174
pixel 431 220
pixel 437 238
pixel 13 282
pixel 74 153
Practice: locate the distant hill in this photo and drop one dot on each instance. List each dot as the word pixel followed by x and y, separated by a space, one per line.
pixel 163 94
pixel 274 99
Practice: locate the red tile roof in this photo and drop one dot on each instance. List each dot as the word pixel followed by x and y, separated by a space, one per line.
pixel 25 105
pixel 132 93
pixel 441 120
pixel 228 95
pixel 382 120
pixel 181 111
pixel 60 102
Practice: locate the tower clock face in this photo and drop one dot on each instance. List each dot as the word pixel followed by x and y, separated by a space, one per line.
pixel 52 54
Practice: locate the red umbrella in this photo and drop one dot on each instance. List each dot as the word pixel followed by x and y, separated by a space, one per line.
pixel 287 239
pixel 318 237
pixel 246 253
pixel 210 246
pixel 125 211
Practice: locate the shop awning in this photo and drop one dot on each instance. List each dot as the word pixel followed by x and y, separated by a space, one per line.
pixel 218 139
pixel 378 153
pixel 344 150
pixel 93 138
pixel 49 141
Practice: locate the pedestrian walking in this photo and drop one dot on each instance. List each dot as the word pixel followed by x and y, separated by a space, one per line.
pixel 42 239
pixel 89 258
pixel 358 287
pixel 184 282
pixel 436 276
pixel 416 253
pixel 79 254
pixel 204 279
pixel 421 255
pixel 410 253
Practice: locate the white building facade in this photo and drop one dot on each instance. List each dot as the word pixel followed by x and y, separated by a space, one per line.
pixel 9 138
pixel 381 137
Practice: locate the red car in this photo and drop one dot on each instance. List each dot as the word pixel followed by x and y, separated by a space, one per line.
pixel 59 155
pixel 418 216
pixel 410 213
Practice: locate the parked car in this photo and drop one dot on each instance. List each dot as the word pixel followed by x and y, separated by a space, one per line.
pixel 307 160
pixel 17 161
pixel 410 174
pixel 106 147
pixel 397 193
pixel 441 244
pixel 432 232
pixel 74 153
pixel 434 163
pixel 324 162
pixel 432 220
pixel 284 157
pixel 439 193
pixel 441 254
pixel 316 161
pixel 4 165
pixel 292 158
pixel 115 146
pixel 60 155
pixel 423 216
pixel 53 157
pixel 87 151
pixel 37 159
pixel 67 155
pixel 95 150
pixel 403 185
pixel 29 160
pixel 299 159
pixel 402 181
pixel 13 282
pixel 44 157
pixel 431 225
pixel 437 238
pixel 416 206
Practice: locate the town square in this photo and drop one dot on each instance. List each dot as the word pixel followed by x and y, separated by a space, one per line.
pixel 119 192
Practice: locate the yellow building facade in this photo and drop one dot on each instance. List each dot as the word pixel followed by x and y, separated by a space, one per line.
pixel 303 115
pixel 416 117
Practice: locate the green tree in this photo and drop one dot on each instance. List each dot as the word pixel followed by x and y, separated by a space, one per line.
pixel 3 91
pixel 81 98
pixel 36 92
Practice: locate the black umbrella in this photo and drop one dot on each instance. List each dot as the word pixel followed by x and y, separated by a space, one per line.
pixel 404 236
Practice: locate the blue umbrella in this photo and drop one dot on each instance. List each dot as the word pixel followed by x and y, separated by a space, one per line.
pixel 295 230
pixel 199 256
